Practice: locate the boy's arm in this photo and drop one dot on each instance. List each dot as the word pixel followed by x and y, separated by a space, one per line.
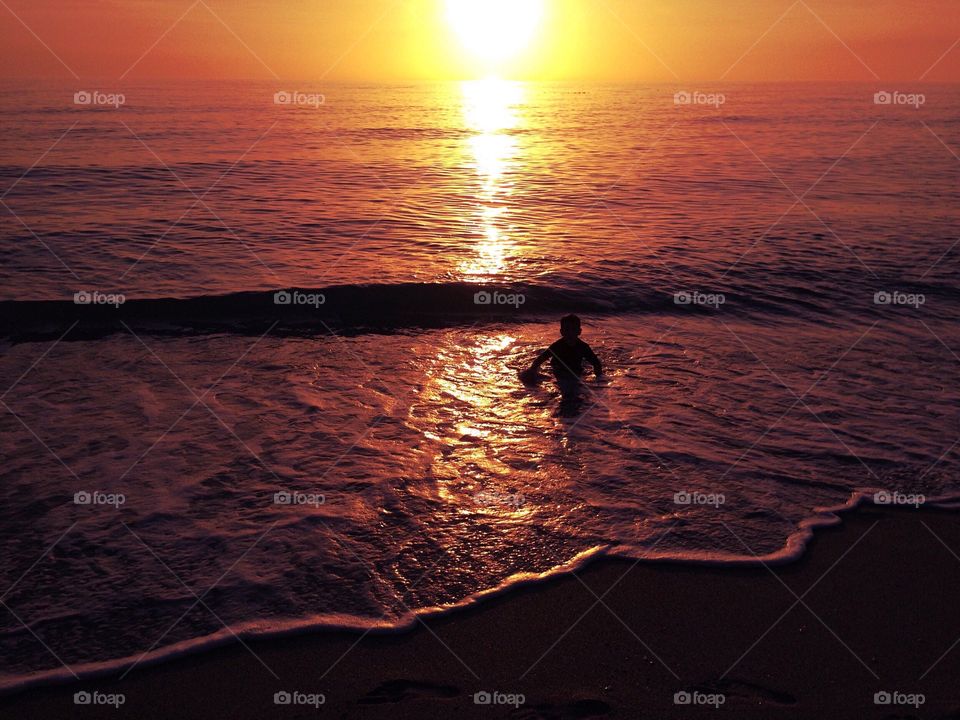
pixel 540 360
pixel 593 360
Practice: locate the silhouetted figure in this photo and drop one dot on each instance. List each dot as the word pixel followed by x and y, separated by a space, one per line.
pixel 566 358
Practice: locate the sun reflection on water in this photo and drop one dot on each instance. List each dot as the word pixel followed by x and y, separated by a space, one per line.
pixel 484 452
pixel 484 455
pixel 490 111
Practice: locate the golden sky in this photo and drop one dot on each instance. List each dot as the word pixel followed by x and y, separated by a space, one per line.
pixel 381 40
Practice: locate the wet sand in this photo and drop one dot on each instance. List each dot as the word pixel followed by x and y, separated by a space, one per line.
pixel 871 607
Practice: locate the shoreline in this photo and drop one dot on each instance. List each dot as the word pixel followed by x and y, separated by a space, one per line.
pixel 792 551
pixel 607 637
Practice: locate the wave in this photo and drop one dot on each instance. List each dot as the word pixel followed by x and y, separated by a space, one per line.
pixel 392 307
pixel 298 311
pixel 388 307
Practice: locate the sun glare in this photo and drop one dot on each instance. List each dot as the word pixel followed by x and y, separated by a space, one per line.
pixel 494 30
pixel 491 110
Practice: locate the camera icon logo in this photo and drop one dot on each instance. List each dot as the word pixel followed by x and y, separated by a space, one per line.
pixel 82 298
pixel 682 498
pixel 882 297
pixel 882 698
pixel 882 498
pixel 282 698
pixel 82 98
pixel 282 498
pixel 82 698
pixel 282 298
pixel 482 298
pixel 682 698
pixel 682 98
pixel 482 698
pixel 682 298
pixel 282 98
pixel 82 498
pixel 882 98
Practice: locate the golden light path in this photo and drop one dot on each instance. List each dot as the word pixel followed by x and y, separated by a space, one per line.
pixel 490 111
pixel 475 419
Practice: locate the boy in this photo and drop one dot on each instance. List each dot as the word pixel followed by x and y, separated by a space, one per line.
pixel 566 358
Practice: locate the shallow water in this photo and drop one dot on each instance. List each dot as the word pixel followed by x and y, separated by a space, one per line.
pixel 441 477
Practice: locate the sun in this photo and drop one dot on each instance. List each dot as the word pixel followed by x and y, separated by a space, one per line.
pixel 494 30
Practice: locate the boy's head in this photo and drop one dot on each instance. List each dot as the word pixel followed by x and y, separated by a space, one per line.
pixel 570 327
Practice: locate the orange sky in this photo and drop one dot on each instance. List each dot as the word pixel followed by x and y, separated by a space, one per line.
pixel 648 40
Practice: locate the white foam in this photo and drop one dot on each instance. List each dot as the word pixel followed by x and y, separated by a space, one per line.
pixel 792 550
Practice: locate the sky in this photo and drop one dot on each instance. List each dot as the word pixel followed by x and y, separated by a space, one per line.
pixel 409 40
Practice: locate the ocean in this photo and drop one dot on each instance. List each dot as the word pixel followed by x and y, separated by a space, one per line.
pixel 260 352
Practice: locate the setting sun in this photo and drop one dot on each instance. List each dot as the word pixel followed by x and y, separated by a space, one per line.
pixel 494 30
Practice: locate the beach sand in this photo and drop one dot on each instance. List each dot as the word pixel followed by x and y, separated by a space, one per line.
pixel 877 609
